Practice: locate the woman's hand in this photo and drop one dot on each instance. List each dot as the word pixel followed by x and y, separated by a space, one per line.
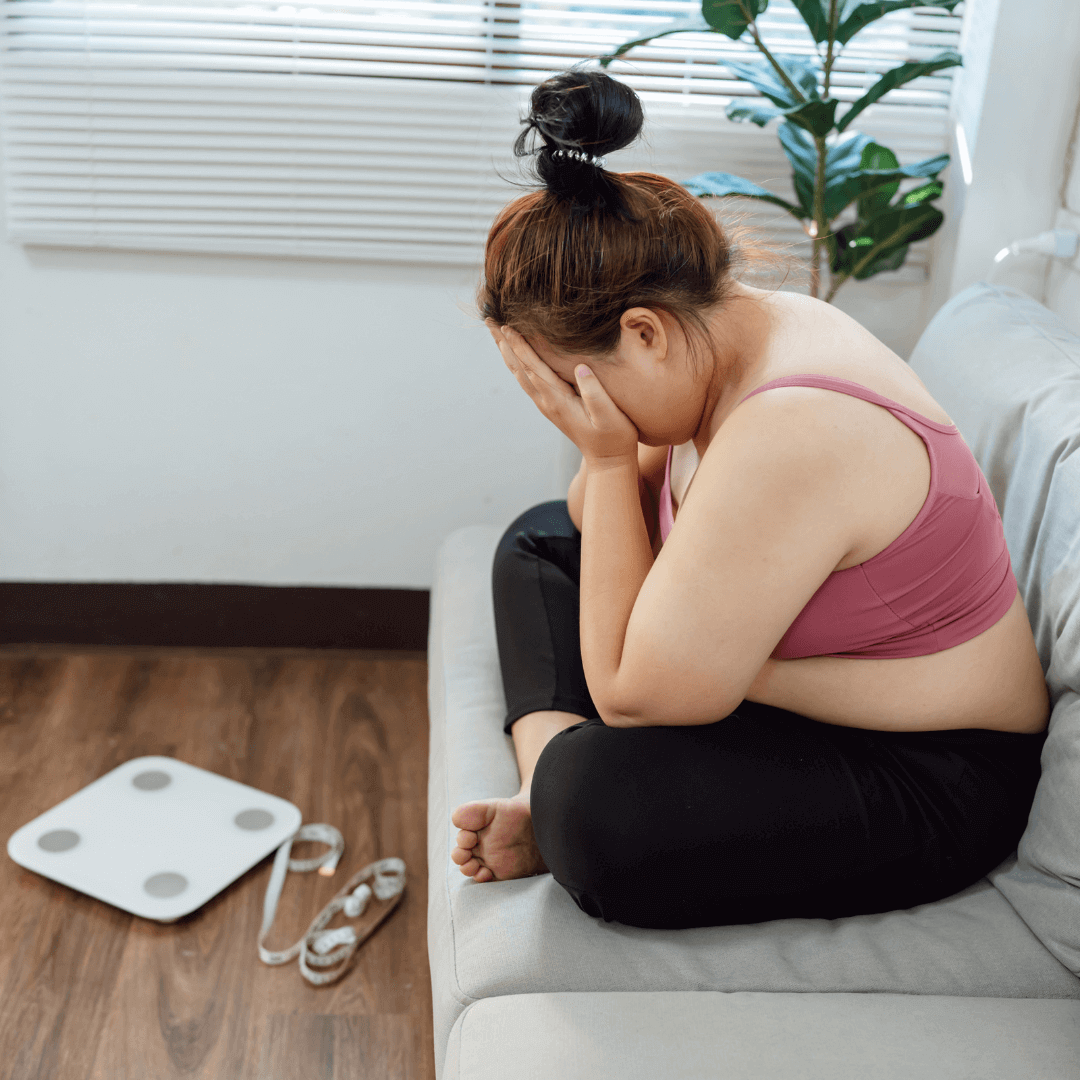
pixel 592 421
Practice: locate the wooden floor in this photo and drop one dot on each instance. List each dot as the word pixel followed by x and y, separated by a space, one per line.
pixel 89 991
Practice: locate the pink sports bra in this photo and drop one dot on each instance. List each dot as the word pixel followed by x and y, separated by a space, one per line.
pixel 944 580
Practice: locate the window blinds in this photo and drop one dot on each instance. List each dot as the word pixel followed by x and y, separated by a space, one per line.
pixel 368 130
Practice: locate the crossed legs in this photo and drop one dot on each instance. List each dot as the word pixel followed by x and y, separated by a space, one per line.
pixel 763 815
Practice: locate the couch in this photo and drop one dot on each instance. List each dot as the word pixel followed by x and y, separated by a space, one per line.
pixel 982 984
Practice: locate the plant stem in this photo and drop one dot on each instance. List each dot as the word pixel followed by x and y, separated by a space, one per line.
pixel 819 179
pixel 832 40
pixel 820 224
pixel 769 56
pixel 897 235
pixel 836 283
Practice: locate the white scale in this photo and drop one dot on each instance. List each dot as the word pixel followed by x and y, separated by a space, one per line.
pixel 156 836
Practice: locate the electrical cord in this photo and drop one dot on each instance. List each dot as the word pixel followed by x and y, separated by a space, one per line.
pixel 1057 243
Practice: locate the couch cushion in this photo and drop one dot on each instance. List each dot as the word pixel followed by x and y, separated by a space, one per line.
pixel 527 936
pixel 1007 370
pixel 764 1037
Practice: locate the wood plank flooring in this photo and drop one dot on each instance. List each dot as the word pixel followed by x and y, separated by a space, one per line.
pixel 90 992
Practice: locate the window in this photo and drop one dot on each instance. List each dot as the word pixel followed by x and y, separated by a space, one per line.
pixel 372 130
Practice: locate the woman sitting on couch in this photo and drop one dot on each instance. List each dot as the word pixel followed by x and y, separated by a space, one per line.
pixel 769 658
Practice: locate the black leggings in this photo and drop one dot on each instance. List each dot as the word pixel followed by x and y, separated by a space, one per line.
pixel 762 815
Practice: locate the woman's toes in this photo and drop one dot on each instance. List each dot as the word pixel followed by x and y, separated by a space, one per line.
pixel 474 816
pixel 496 840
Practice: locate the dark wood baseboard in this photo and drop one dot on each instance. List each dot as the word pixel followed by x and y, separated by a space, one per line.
pixel 264 616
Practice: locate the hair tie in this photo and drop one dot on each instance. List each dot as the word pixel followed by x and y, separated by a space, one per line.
pixel 580 155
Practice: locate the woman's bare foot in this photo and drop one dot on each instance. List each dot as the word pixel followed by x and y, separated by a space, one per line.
pixel 496 839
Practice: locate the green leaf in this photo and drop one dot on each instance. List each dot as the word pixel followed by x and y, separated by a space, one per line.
pixel 865 248
pixel 846 173
pixel 801 151
pixel 856 167
pixel 873 187
pixel 897 77
pixel 815 14
pixel 923 194
pixel 690 24
pixel 719 183
pixel 855 14
pixel 732 17
pixel 815 116
pixel 876 156
pixel 761 74
pixel 757 112
pixel 873 200
pixel 891 259
pixel 845 155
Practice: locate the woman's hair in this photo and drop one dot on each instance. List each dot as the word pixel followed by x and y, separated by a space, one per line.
pixel 565 262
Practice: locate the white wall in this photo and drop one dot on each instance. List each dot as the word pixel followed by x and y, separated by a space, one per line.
pixel 189 419
pixel 1017 102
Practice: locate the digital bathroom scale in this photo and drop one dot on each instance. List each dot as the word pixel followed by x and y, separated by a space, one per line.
pixel 156 836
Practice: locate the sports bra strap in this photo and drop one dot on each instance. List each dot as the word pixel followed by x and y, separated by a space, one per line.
pixel 846 386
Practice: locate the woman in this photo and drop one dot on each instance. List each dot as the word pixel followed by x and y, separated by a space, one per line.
pixel 769 658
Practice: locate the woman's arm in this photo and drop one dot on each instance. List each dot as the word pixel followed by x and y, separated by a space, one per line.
pixel 616 557
pixel 651 463
pixel 575 497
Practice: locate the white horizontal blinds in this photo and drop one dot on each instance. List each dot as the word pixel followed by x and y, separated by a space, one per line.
pixel 193 127
pixel 287 168
pixel 366 130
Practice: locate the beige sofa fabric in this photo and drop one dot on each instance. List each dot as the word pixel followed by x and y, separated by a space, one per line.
pixel 1008 372
pixel 710 1036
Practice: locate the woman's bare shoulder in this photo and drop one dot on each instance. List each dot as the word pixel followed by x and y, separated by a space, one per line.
pixel 815 338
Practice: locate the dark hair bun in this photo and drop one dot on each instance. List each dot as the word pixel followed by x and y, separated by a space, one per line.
pixel 581 116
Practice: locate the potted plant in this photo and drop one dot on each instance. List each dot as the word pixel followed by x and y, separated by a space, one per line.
pixel 834 167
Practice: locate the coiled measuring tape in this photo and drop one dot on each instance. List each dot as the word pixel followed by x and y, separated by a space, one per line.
pixel 319 947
